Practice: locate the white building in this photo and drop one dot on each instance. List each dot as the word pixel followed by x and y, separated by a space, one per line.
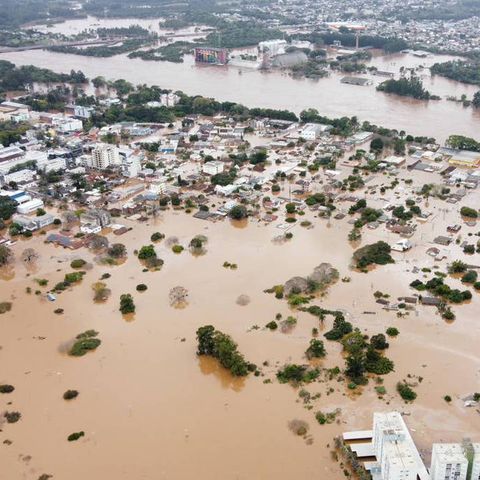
pixel 30 206
pixel 397 456
pixel 169 99
pixel 453 461
pixel 448 462
pixel 10 157
pixel 105 155
pixel 213 167
pixel 272 47
pixel 311 131
pixel 131 166
pixel 476 462
pixel 22 176
pixel 68 124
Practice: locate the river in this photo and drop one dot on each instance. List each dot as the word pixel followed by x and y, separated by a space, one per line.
pixel 277 89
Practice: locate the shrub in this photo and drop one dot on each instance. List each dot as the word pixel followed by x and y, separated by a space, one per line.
pixel 85 342
pixel 468 212
pixel 297 374
pixel 379 342
pixel 75 436
pixel 217 344
pixel 126 304
pixel 146 252
pixel 381 390
pixel 177 249
pixel 392 331
pixel 238 212
pixel 141 287
pixel 272 325
pixel 157 237
pixel 316 349
pixel 376 253
pixel 447 398
pixel 340 328
pixel 290 220
pixel 457 266
pixel 12 417
pixel 78 263
pixel 406 391
pixel 117 250
pixel 5 388
pixel 73 277
pixel 5 307
pixel 70 394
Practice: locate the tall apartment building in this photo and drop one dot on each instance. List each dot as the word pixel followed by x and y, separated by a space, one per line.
pixel 105 155
pixel 475 468
pixel 455 461
pixel 396 454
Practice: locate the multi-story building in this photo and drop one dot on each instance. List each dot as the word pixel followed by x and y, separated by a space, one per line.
pixel 449 462
pixel 475 468
pixel 455 461
pixel 395 452
pixel 105 155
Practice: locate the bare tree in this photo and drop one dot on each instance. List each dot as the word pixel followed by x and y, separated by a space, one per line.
pixel 29 255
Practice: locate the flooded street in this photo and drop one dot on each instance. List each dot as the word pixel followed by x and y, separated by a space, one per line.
pixel 145 392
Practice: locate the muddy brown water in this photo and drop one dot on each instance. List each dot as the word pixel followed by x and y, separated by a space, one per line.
pixel 151 409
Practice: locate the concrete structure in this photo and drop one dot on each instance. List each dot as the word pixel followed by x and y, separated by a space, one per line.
pixel 30 206
pixel 448 462
pixel 397 457
pixel 22 176
pixel 212 168
pixel 104 156
pixel 10 157
pixel 455 461
pixel 311 131
pixel 33 223
pixel 356 81
pixel 68 124
pixel 273 47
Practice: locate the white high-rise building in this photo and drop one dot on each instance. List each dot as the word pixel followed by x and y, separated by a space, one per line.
pixel 394 449
pixel 476 462
pixel 105 155
pixel 449 462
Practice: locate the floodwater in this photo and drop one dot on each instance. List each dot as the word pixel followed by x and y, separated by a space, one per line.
pixel 151 409
pixel 276 89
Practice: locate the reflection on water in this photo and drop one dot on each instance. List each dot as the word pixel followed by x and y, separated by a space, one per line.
pixel 239 223
pixel 7 272
pixel 211 366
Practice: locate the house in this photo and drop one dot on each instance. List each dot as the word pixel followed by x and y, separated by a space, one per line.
pixel 402 246
pixel 94 220
pixel 356 81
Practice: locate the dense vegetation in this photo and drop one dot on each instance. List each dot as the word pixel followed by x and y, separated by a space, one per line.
pixel 19 78
pixel 407 87
pixel 217 344
pixel 376 253
pixel 85 342
pixel 463 143
pixel 461 70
